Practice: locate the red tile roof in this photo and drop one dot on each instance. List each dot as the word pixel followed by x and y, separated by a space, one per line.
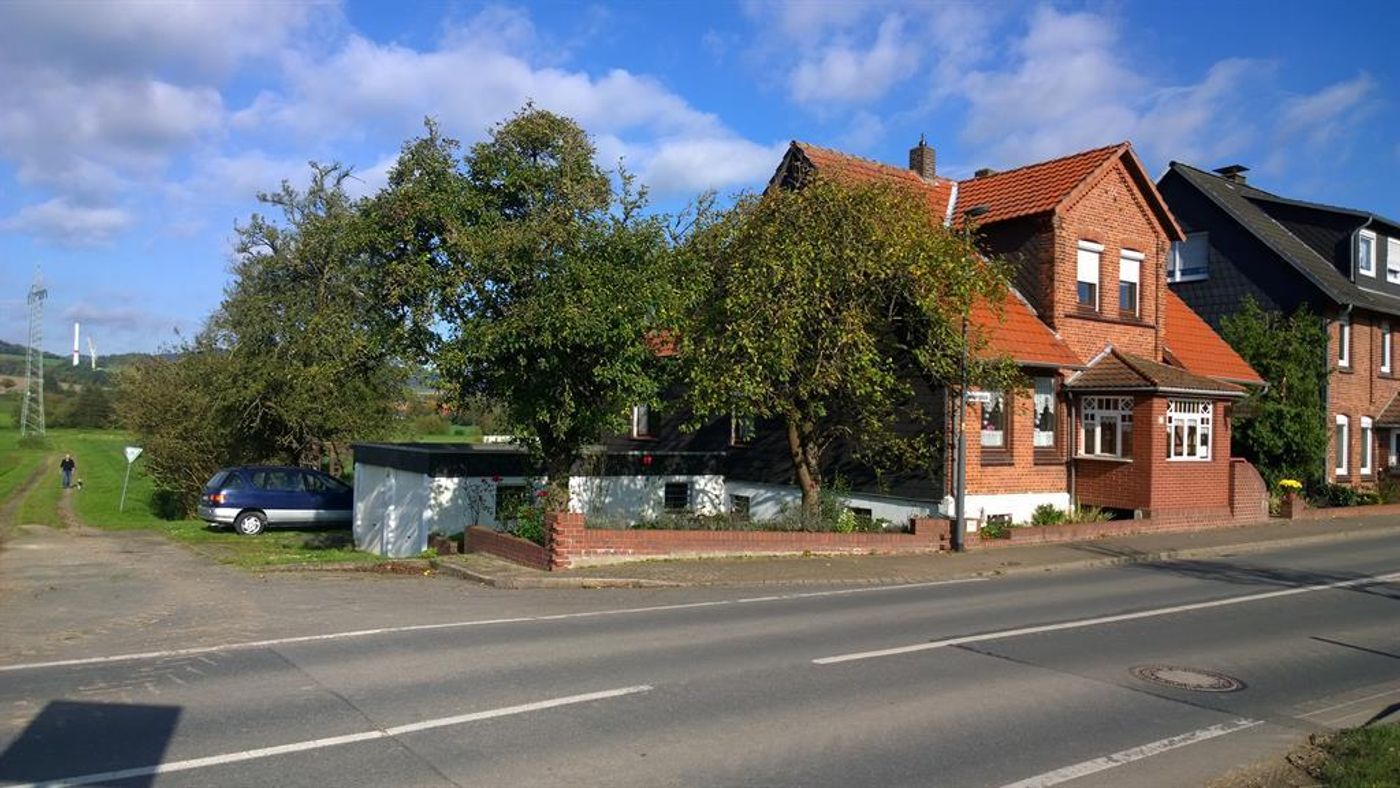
pixel 844 165
pixel 1035 188
pixel 1195 346
pixel 1017 332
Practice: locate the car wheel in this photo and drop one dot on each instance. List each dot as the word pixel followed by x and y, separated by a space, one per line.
pixel 250 523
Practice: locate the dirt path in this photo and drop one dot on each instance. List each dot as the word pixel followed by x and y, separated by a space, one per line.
pixel 10 511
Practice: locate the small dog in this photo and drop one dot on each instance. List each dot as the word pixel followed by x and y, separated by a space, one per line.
pixel 78 484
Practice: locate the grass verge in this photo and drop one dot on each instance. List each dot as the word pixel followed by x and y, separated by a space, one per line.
pixel 102 467
pixel 1363 758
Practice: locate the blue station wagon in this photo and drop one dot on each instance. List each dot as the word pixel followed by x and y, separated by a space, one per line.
pixel 250 498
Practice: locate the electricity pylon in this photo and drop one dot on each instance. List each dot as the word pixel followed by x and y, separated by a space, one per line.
pixel 31 421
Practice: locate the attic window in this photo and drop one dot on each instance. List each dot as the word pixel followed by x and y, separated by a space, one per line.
pixel 1087 276
pixel 1366 253
pixel 1190 259
pixel 1392 260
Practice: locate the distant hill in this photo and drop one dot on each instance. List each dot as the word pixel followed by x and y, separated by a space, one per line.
pixel 11 349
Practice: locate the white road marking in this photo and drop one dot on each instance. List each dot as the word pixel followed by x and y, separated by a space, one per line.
pixel 333 741
pixel 1093 622
pixel 1122 757
pixel 361 633
pixel 1336 706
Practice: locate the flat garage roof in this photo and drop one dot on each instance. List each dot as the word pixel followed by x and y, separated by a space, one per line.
pixel 449 460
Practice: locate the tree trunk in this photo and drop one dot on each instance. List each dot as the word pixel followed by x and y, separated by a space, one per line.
pixel 808 471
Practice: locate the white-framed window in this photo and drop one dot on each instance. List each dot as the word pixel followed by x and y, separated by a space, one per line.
pixel 1189 429
pixel 1385 347
pixel 1045 407
pixel 1366 253
pixel 641 421
pixel 1190 259
pixel 1344 341
pixel 994 421
pixel 1106 426
pixel 1368 449
pixel 1391 459
pixel 740 430
pixel 1392 260
pixel 1129 279
pixel 1342 439
pixel 1087 274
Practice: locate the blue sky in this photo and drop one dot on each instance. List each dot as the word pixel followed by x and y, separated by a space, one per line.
pixel 134 135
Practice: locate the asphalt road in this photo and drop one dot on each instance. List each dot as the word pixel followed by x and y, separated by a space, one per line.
pixel 1014 680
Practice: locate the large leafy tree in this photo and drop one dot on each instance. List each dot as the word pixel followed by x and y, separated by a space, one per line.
pixel 528 275
pixel 312 362
pixel 1282 428
pixel 821 307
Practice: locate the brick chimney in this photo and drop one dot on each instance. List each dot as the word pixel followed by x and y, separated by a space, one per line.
pixel 921 159
pixel 1233 173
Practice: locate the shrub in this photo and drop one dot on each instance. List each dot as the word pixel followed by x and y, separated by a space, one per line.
pixel 1335 495
pixel 1389 489
pixel 1088 514
pixel 995 529
pixel 1047 514
pixel 845 522
pixel 171 504
pixel 529 523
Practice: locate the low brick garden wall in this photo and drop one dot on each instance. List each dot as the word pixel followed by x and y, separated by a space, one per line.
pixel 1298 509
pixel 572 544
pixel 521 551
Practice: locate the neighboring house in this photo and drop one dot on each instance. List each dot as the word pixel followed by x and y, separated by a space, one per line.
pixel 1344 264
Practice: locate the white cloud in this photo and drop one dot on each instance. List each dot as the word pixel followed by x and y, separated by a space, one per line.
pixel 64 223
pixel 844 73
pixel 806 19
pixel 691 165
pixel 1324 116
pixel 102 39
pixel 475 77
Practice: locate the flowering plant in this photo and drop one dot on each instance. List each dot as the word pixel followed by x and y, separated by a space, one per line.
pixel 1290 485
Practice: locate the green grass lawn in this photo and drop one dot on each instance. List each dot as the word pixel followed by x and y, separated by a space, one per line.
pixel 101 467
pixel 1364 758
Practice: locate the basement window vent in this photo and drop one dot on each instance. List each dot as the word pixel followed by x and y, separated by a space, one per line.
pixel 676 496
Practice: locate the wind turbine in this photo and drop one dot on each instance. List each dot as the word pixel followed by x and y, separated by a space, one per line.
pixel 92 351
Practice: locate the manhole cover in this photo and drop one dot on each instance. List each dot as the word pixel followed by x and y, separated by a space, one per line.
pixel 1188 678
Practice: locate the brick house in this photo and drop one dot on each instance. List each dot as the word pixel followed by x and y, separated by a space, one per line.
pixel 1343 264
pixel 1130 396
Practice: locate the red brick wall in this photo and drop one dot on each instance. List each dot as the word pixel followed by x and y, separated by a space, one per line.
pixel 1249 496
pixel 1024 474
pixel 1161 487
pixel 1360 390
pixel 1114 214
pixel 521 551
pixel 574 545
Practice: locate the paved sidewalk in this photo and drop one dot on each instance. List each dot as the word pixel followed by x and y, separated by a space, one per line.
pixel 886 569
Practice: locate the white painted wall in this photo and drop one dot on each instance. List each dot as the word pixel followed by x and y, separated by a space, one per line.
pixel 396 510
pixel 766 501
pixel 634 498
pixel 1019 505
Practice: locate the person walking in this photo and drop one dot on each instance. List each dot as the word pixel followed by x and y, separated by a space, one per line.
pixel 67 467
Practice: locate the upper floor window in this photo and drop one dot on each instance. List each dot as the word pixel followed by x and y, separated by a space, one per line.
pixel 1129 276
pixel 1188 429
pixel 1087 276
pixel 1385 348
pixel 1107 426
pixel 1190 259
pixel 641 422
pixel 1392 260
pixel 1044 399
pixel 1366 253
pixel 1344 342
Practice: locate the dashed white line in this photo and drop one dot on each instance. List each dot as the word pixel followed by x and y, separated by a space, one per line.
pixel 1092 622
pixel 362 633
pixel 1122 757
pixel 333 741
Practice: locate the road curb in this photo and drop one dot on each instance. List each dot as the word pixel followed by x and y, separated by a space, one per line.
pixel 513 581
